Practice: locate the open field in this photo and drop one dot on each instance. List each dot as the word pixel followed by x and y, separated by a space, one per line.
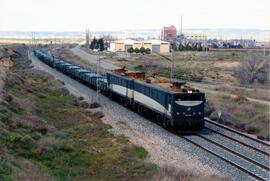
pixel 213 67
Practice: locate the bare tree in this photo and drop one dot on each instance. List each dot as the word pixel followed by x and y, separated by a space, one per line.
pixel 251 70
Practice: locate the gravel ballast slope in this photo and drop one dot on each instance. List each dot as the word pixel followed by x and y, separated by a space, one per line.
pixel 164 147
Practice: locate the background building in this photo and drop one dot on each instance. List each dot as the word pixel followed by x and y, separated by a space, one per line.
pixel 168 33
pixel 154 45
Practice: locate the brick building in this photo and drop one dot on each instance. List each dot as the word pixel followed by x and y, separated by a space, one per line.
pixel 168 33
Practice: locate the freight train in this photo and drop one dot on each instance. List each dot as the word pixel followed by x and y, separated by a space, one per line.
pixel 175 105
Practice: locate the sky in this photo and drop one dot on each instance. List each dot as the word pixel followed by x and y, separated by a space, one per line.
pixel 113 15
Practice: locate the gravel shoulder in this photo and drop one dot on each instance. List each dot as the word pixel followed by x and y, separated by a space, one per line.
pixel 164 147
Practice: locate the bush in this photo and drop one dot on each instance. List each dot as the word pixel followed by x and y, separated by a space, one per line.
pixel 240 98
pixel 142 50
pixel 240 126
pixel 137 50
pixel 130 50
pixel 181 47
pixel 147 51
pixel 251 129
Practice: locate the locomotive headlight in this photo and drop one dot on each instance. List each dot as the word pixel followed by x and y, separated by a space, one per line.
pixel 199 113
pixel 189 92
pixel 177 113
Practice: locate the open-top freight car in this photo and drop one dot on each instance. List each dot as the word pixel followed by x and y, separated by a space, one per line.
pixel 172 104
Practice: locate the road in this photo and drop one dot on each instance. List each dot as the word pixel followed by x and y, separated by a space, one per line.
pixel 92 58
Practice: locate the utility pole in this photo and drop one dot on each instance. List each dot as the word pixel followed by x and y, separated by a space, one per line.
pixel 172 67
pixel 206 45
pixel 264 48
pixel 171 61
pixel 98 70
pixel 33 40
pixel 181 28
pixel 87 37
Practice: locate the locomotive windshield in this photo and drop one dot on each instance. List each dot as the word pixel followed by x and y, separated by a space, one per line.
pixel 190 97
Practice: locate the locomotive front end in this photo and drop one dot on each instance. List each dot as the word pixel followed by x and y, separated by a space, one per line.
pixel 187 110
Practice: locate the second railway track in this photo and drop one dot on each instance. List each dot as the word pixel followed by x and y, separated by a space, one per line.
pixel 246 153
pixel 254 171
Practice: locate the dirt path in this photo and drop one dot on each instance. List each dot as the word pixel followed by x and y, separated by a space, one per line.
pixel 92 58
pixel 257 101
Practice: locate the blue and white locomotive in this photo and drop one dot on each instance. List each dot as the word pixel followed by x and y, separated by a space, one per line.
pixel 175 105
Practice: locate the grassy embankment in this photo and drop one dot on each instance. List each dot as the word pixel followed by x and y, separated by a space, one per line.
pixel 44 136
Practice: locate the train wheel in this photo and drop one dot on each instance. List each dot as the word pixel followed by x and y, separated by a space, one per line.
pixel 164 123
pixel 110 95
pixel 127 103
pixel 140 110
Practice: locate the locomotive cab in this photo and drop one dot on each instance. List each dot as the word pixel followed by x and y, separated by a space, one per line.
pixel 187 109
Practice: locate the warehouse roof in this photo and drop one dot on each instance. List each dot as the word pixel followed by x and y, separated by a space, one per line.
pixel 127 42
pixel 131 42
pixel 155 42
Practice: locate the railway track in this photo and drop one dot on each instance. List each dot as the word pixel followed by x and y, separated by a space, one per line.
pixel 248 154
pixel 239 137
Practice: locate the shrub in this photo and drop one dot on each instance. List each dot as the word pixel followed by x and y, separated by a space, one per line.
pixel 181 47
pixel 240 98
pixel 130 50
pixel 142 50
pixel 137 50
pixel 251 129
pixel 147 51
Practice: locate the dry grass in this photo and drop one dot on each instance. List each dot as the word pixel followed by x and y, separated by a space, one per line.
pixel 31 172
pixel 211 67
pixel 168 173
pixel 243 112
pixel 256 94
